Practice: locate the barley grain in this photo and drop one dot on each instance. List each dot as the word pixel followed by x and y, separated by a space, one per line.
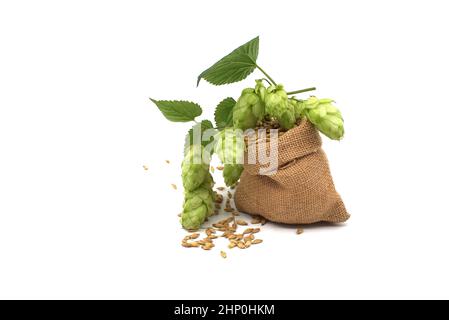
pixel 226 234
pixel 241 222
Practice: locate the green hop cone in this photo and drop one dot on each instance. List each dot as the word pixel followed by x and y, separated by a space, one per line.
pixel 279 107
pixel 194 170
pixel 232 173
pixel 230 146
pixel 261 91
pixel 287 119
pixel 326 117
pixel 299 107
pixel 249 108
pixel 192 220
pixel 208 181
pixel 198 205
pixel 276 101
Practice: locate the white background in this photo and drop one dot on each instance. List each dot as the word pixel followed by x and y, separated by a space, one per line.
pixel 80 218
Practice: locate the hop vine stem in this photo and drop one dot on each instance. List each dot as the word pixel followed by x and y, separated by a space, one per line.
pixel 270 79
pixel 266 74
pixel 301 91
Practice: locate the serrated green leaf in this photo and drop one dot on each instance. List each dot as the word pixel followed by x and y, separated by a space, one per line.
pixel 223 113
pixel 234 67
pixel 204 125
pixel 178 111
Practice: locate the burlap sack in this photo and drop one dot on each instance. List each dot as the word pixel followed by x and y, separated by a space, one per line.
pixel 301 191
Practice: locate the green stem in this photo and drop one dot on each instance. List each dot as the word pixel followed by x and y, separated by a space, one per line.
pixel 268 81
pixel 266 74
pixel 301 91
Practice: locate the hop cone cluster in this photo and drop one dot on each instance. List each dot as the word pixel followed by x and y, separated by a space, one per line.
pixel 198 183
pixel 249 108
pixel 230 149
pixel 325 116
pixel 278 106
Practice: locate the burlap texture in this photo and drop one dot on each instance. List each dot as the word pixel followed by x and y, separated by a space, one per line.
pixel 301 191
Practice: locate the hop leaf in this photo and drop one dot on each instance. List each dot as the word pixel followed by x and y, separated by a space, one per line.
pixel 178 111
pixel 223 113
pixel 234 67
